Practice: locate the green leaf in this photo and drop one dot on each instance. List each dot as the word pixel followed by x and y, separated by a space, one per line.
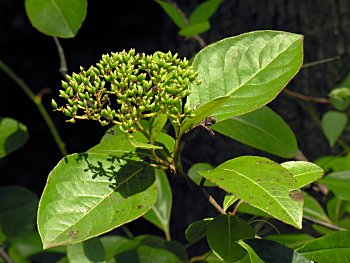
pixel 85 252
pixel 143 145
pixel 82 187
pixel 228 201
pixel 167 142
pixel 263 184
pixel 58 18
pixel 262 129
pixel 173 13
pixel 245 208
pixel 334 163
pixel 18 208
pixel 303 172
pixel 201 113
pixel 292 241
pixel 223 232
pixel 262 250
pixel 159 215
pixel 194 29
pixel 339 184
pixel 157 124
pixel 340 98
pixel 313 209
pixel 334 247
pixel 197 230
pixel 196 177
pixel 251 68
pixel 333 124
pixel 13 135
pixel 114 245
pixel 204 11
pixel 336 208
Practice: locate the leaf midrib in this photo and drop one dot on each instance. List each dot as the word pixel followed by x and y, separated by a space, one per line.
pixel 59 11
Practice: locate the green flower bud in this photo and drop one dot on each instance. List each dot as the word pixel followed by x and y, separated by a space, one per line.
pixel 54 104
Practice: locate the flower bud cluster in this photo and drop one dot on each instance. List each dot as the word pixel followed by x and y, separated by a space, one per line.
pixel 125 87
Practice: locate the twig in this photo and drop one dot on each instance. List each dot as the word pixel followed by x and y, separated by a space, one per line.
pixel 319 222
pixel 127 232
pixel 5 256
pixel 319 62
pixel 37 101
pixel 305 97
pixel 63 63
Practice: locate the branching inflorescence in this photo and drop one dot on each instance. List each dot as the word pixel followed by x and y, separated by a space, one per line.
pixel 125 87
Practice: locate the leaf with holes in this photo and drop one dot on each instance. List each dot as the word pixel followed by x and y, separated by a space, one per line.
pixel 263 184
pixel 58 18
pixel 82 187
pixel 251 69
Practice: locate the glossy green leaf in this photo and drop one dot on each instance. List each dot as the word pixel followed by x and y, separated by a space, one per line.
pixel 114 245
pixel 82 187
pixel 251 68
pixel 160 213
pixel 18 208
pixel 195 176
pixel 201 113
pixel 195 29
pixel 313 209
pixel 263 184
pixel 204 11
pixel 152 249
pixel 58 18
pixel 228 201
pixel 85 252
pixel 167 142
pixel 262 129
pixel 334 247
pixel 197 230
pixel 339 184
pixel 13 135
pixel 173 12
pixel 245 208
pixel 303 172
pixel 262 250
pixel 292 241
pixel 222 234
pixel 333 124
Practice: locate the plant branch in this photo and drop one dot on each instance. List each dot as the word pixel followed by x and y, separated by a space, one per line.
pixel 63 63
pixel 325 224
pixel 5 256
pixel 306 97
pixel 37 101
pixel 319 62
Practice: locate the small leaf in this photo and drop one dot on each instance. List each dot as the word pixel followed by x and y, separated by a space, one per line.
pixel 313 209
pixel 228 201
pixel 333 124
pixel 18 208
pixel 336 208
pixel 334 247
pixel 13 135
pixel 197 230
pixel 262 129
pixel 339 184
pixel 223 233
pixel 157 124
pixel 85 252
pixel 173 13
pixel 194 29
pixel 263 184
pixel 159 215
pixel 251 69
pixel 204 11
pixel 143 145
pixel 292 241
pixel 82 187
pixel 262 250
pixel 303 172
pixel 340 98
pixel 58 18
pixel 334 163
pixel 196 177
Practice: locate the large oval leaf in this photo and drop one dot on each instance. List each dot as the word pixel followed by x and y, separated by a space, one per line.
pixel 251 68
pixel 334 247
pixel 58 18
pixel 263 184
pixel 223 232
pixel 89 194
pixel 262 129
pixel 159 215
pixel 339 184
pixel 85 252
pixel 13 135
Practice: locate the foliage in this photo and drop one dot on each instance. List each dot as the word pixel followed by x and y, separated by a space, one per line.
pixel 157 103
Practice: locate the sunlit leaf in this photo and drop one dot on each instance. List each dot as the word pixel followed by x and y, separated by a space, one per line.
pixel 228 201
pixel 195 176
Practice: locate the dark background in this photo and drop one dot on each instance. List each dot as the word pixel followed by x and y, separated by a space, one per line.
pixel 117 25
